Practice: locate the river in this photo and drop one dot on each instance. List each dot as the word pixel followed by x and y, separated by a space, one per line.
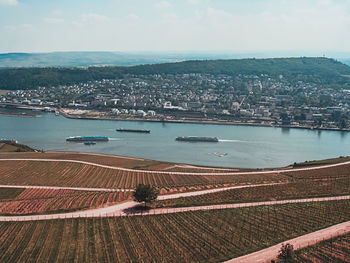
pixel 239 146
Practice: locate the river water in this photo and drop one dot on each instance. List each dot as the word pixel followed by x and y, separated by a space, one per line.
pixel 239 146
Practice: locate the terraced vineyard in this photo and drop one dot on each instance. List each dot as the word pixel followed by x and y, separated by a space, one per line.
pixel 83 175
pixel 110 160
pixel 201 236
pixel 36 201
pixel 297 189
pixel 197 236
pixel 332 172
pixel 96 158
pixel 333 250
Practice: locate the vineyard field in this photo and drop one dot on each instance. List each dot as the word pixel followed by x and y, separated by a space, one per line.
pixel 200 236
pixel 39 201
pixel 336 249
pixel 121 161
pixel 95 158
pixel 83 175
pixel 331 172
pixel 293 190
pixel 110 160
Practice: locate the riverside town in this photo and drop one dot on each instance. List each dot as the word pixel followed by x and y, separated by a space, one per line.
pixel 243 99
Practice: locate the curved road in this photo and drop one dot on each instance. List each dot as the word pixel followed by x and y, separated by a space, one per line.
pixel 181 173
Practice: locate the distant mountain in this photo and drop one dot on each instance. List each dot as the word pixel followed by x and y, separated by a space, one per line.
pixel 89 59
pixel 72 59
pixel 322 71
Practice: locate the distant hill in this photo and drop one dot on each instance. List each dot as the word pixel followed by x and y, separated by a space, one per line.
pixel 323 71
pixel 88 59
pixel 71 59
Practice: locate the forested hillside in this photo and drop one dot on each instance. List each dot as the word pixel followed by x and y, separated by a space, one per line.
pixel 326 72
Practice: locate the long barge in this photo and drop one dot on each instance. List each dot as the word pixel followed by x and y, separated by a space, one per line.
pixel 8 141
pixel 197 139
pixel 87 139
pixel 133 130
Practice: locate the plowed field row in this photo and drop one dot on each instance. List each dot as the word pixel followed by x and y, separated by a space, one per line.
pixel 116 161
pixel 333 250
pixel 32 201
pixel 335 172
pixel 84 175
pixel 297 189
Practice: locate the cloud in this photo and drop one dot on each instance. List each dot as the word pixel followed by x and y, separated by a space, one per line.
pixel 318 25
pixel 20 27
pixel 218 14
pixel 132 16
pixel 8 2
pixel 10 28
pixel 26 26
pixel 52 20
pixel 169 16
pixel 162 5
pixel 193 2
pixel 57 12
pixel 92 18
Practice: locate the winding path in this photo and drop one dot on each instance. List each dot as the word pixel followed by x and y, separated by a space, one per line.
pixel 181 173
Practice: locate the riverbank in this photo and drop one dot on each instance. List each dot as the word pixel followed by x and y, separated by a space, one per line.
pixel 64 113
pixel 19 115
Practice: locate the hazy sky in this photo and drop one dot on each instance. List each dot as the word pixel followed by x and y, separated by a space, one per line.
pixel 156 25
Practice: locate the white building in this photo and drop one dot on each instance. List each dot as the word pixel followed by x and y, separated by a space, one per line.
pixel 151 113
pixel 115 111
pixel 140 113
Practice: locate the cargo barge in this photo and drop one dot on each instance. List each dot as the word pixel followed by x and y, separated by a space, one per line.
pixel 89 142
pixel 197 139
pixel 8 141
pixel 87 139
pixel 133 130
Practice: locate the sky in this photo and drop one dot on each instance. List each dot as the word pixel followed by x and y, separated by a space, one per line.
pixel 174 25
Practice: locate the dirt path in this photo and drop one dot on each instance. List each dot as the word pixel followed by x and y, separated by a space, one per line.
pixel 180 173
pixel 268 254
pixel 122 209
